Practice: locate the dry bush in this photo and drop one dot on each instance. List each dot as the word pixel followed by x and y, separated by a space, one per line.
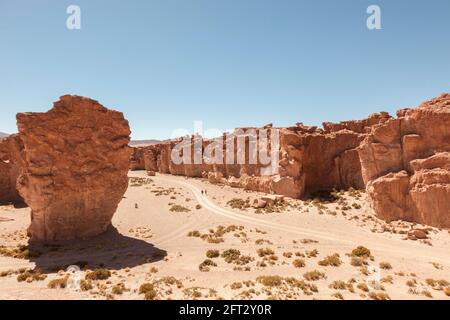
pixel 378 296
pixel 19 252
pixel 361 252
pixel 98 274
pixel 363 287
pixel 178 208
pixel 265 252
pixel 385 265
pixel 333 260
pixel 212 254
pixel 299 263
pixel 85 285
pixel 58 283
pixel 30 275
pixel 206 264
pixel 270 281
pixel 314 275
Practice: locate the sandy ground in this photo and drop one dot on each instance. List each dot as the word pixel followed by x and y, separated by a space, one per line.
pixel 280 255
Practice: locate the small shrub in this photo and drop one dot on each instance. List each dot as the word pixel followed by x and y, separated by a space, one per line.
pixel 314 275
pixel 363 287
pixel 150 295
pixel 333 260
pixel 312 253
pixel 194 233
pixel 270 281
pixel 204 266
pixel 379 296
pixel 361 252
pixel 212 254
pixel 146 287
pixel 385 265
pixel 299 263
pixel 58 283
pixel 118 288
pixel 338 295
pixel 338 285
pixel 265 252
pixel 231 255
pixel 178 208
pixel 85 285
pixel 98 274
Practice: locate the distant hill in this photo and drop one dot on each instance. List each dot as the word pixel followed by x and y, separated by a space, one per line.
pixel 142 143
pixel 3 135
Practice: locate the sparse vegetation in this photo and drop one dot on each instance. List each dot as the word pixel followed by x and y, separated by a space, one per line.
pixel 118 289
pixel 212 254
pixel 270 281
pixel 264 252
pixel 85 285
pixel 19 252
pixel 237 203
pixel 385 266
pixel 30 275
pixel 314 275
pixel 206 264
pixel 98 274
pixel 378 296
pixel 234 256
pixel 333 260
pixel 363 287
pixel 60 283
pixel 299 263
pixel 361 252
pixel 179 208
pixel 139 182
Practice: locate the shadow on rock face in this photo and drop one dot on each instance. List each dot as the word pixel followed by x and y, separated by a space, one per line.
pixel 109 250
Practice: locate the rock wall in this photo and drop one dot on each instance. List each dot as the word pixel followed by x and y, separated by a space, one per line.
pixel 406 164
pixel 11 163
pixel 310 159
pixel 76 160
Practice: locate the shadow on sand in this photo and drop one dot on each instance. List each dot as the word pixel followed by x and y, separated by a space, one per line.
pixel 109 250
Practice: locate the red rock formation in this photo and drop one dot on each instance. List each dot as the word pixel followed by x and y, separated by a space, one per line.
pixel 11 149
pixel 406 164
pixel 75 169
pixel 310 159
pixel 137 161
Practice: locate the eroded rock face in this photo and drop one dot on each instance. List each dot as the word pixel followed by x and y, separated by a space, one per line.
pixel 406 164
pixel 11 163
pixel 76 160
pixel 310 159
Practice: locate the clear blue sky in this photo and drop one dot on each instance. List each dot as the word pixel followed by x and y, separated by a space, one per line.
pixel 229 63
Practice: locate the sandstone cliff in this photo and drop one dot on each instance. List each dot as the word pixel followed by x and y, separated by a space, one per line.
pixel 406 164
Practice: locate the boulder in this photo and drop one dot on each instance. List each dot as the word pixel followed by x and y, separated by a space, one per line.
pixel 259 204
pixel 76 160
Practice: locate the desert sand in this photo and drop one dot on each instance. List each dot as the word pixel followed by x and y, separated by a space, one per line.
pixel 164 227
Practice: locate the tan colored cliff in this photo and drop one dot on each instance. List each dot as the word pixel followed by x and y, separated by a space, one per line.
pixel 406 164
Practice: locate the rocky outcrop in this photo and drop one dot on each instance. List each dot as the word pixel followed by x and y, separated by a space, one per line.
pixel 310 159
pixel 11 163
pixel 406 164
pixel 76 159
